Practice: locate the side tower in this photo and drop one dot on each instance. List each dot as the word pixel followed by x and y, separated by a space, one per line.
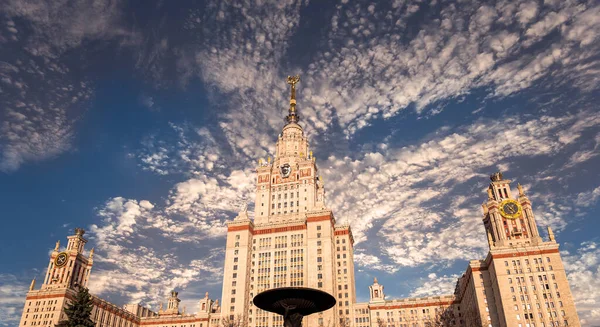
pixel 67 268
pixel 527 280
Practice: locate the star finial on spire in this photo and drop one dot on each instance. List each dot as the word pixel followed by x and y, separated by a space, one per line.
pixel 292 117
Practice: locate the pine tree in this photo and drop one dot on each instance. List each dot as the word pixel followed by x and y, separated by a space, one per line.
pixel 79 310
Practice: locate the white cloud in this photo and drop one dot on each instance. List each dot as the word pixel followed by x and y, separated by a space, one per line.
pixel 59 26
pixel 12 299
pixel 189 151
pixel 583 272
pixel 371 262
pixel 43 95
pixel 41 102
pixel 587 199
pixel 435 285
pixel 412 192
pixel 132 259
pixel 369 67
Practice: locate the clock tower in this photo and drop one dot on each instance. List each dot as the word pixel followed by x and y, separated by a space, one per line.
pixel 69 267
pixel 508 220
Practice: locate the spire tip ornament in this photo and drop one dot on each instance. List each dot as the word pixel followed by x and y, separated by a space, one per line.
pixel 292 116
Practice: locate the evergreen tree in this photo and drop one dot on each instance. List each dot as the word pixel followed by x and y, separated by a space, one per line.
pixel 79 310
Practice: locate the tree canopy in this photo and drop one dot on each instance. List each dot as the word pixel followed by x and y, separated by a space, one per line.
pixel 79 310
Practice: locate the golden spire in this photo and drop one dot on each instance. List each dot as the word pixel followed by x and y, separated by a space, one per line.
pixel 32 285
pixel 292 116
pixel 57 245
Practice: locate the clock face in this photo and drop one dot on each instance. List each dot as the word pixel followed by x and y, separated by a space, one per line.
pixel 61 259
pixel 285 170
pixel 510 209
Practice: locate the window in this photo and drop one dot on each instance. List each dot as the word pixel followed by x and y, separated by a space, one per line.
pixel 318 227
pixel 320 284
pixel 318 234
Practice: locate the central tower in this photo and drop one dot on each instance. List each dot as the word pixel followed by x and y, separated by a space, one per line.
pixel 288 186
pixel 292 241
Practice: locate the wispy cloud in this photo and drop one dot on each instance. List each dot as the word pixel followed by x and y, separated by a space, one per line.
pixel 137 255
pixel 435 285
pixel 12 299
pixel 583 271
pixel 43 96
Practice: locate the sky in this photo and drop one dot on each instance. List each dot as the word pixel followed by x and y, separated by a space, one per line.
pixel 142 121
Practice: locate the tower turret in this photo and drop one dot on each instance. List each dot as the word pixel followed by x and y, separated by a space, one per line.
pixel 376 292
pixel 508 221
pixel 69 267
pixel 172 305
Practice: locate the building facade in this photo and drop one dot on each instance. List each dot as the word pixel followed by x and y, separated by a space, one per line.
pixel 294 241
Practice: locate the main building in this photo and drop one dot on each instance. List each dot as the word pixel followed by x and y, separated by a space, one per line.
pixel 294 240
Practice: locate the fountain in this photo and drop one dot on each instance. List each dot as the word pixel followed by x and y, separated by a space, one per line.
pixel 293 303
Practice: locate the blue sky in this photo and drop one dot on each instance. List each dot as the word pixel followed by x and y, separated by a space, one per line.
pixel 142 122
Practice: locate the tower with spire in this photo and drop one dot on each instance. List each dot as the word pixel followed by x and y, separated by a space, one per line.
pixel 293 239
pixel 288 186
